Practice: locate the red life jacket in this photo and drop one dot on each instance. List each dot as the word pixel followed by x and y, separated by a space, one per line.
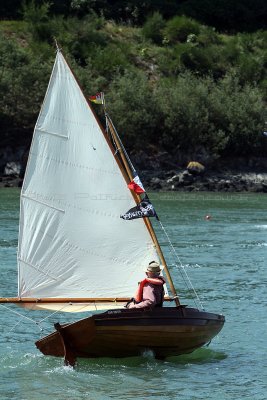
pixel 155 281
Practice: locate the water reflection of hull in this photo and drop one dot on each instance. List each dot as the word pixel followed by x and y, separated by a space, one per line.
pixel 124 333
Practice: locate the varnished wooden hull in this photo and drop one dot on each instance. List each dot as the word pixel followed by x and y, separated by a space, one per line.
pixel 124 333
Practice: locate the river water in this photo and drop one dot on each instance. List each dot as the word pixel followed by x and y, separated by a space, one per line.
pixel 225 258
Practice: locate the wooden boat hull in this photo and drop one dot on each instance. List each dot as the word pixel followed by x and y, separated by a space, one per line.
pixel 129 332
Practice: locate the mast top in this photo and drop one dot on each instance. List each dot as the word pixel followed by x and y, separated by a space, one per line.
pixel 57 46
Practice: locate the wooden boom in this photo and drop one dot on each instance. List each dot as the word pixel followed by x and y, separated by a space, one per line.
pixel 68 300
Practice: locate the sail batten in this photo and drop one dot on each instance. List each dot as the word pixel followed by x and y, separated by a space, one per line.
pixel 53 133
pixel 86 246
pixel 42 202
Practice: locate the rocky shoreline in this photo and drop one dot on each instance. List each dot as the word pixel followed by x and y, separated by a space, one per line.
pixel 162 171
pixel 185 181
pixel 209 182
pixel 166 173
pixel 10 181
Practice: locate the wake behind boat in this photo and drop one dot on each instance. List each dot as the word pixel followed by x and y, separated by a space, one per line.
pixel 85 237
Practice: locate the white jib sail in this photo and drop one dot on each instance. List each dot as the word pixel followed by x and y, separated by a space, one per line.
pixel 72 241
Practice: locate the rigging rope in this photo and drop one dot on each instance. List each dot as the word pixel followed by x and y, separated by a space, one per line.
pixel 182 268
pixel 120 142
pixel 12 329
pixel 53 313
pixel 117 149
pixel 37 323
pixel 22 316
pixel 175 255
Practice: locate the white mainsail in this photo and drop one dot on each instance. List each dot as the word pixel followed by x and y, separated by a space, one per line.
pixel 72 241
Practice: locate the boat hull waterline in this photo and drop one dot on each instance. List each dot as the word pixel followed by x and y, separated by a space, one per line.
pixel 167 331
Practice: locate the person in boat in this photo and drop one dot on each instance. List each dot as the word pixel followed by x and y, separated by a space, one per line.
pixel 150 292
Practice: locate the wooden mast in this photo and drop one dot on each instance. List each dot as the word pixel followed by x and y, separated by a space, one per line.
pixel 146 220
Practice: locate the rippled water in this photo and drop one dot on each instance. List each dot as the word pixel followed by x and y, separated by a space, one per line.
pixel 224 257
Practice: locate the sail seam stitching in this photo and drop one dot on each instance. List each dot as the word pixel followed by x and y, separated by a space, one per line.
pixel 69 121
pixel 71 164
pixel 43 203
pixel 37 268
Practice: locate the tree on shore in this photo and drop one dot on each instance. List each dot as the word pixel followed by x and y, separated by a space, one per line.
pixel 173 83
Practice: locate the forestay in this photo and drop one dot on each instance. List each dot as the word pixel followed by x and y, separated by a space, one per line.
pixel 72 241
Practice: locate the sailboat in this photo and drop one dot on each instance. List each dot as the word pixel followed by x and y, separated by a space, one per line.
pixel 76 253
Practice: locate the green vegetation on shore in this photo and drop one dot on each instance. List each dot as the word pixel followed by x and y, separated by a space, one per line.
pixel 170 82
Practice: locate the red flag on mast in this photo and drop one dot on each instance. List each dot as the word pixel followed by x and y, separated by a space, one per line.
pixel 136 185
pixel 97 99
